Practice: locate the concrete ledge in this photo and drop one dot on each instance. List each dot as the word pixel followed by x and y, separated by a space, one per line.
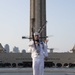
pixel 29 70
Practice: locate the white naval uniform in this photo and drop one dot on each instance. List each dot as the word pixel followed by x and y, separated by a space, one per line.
pixel 38 59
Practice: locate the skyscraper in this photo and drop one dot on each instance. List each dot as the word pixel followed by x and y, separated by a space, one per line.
pixel 16 49
pixel 38 16
pixel 7 48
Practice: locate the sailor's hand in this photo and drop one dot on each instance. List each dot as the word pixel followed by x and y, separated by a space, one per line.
pixel 46 58
pixel 46 41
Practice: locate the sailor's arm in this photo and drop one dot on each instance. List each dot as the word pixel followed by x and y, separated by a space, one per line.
pixel 29 49
pixel 45 50
pixel 30 46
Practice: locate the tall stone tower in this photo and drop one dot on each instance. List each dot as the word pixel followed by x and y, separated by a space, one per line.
pixel 38 16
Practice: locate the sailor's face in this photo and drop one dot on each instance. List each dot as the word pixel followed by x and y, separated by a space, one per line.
pixel 36 37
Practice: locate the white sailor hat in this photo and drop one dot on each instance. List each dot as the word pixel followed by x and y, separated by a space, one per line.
pixel 36 33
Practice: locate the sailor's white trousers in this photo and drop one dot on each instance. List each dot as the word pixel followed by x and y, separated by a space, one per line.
pixel 38 66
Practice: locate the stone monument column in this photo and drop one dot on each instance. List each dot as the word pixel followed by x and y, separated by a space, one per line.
pixel 38 15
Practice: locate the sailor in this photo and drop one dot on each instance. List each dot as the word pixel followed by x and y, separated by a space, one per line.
pixel 38 54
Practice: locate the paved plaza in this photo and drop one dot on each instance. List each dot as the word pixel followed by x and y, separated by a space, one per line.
pixel 28 71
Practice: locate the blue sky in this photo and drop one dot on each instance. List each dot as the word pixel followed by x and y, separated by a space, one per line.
pixel 14 23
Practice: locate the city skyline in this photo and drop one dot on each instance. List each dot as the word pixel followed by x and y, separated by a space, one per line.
pixel 14 22
pixel 15 49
